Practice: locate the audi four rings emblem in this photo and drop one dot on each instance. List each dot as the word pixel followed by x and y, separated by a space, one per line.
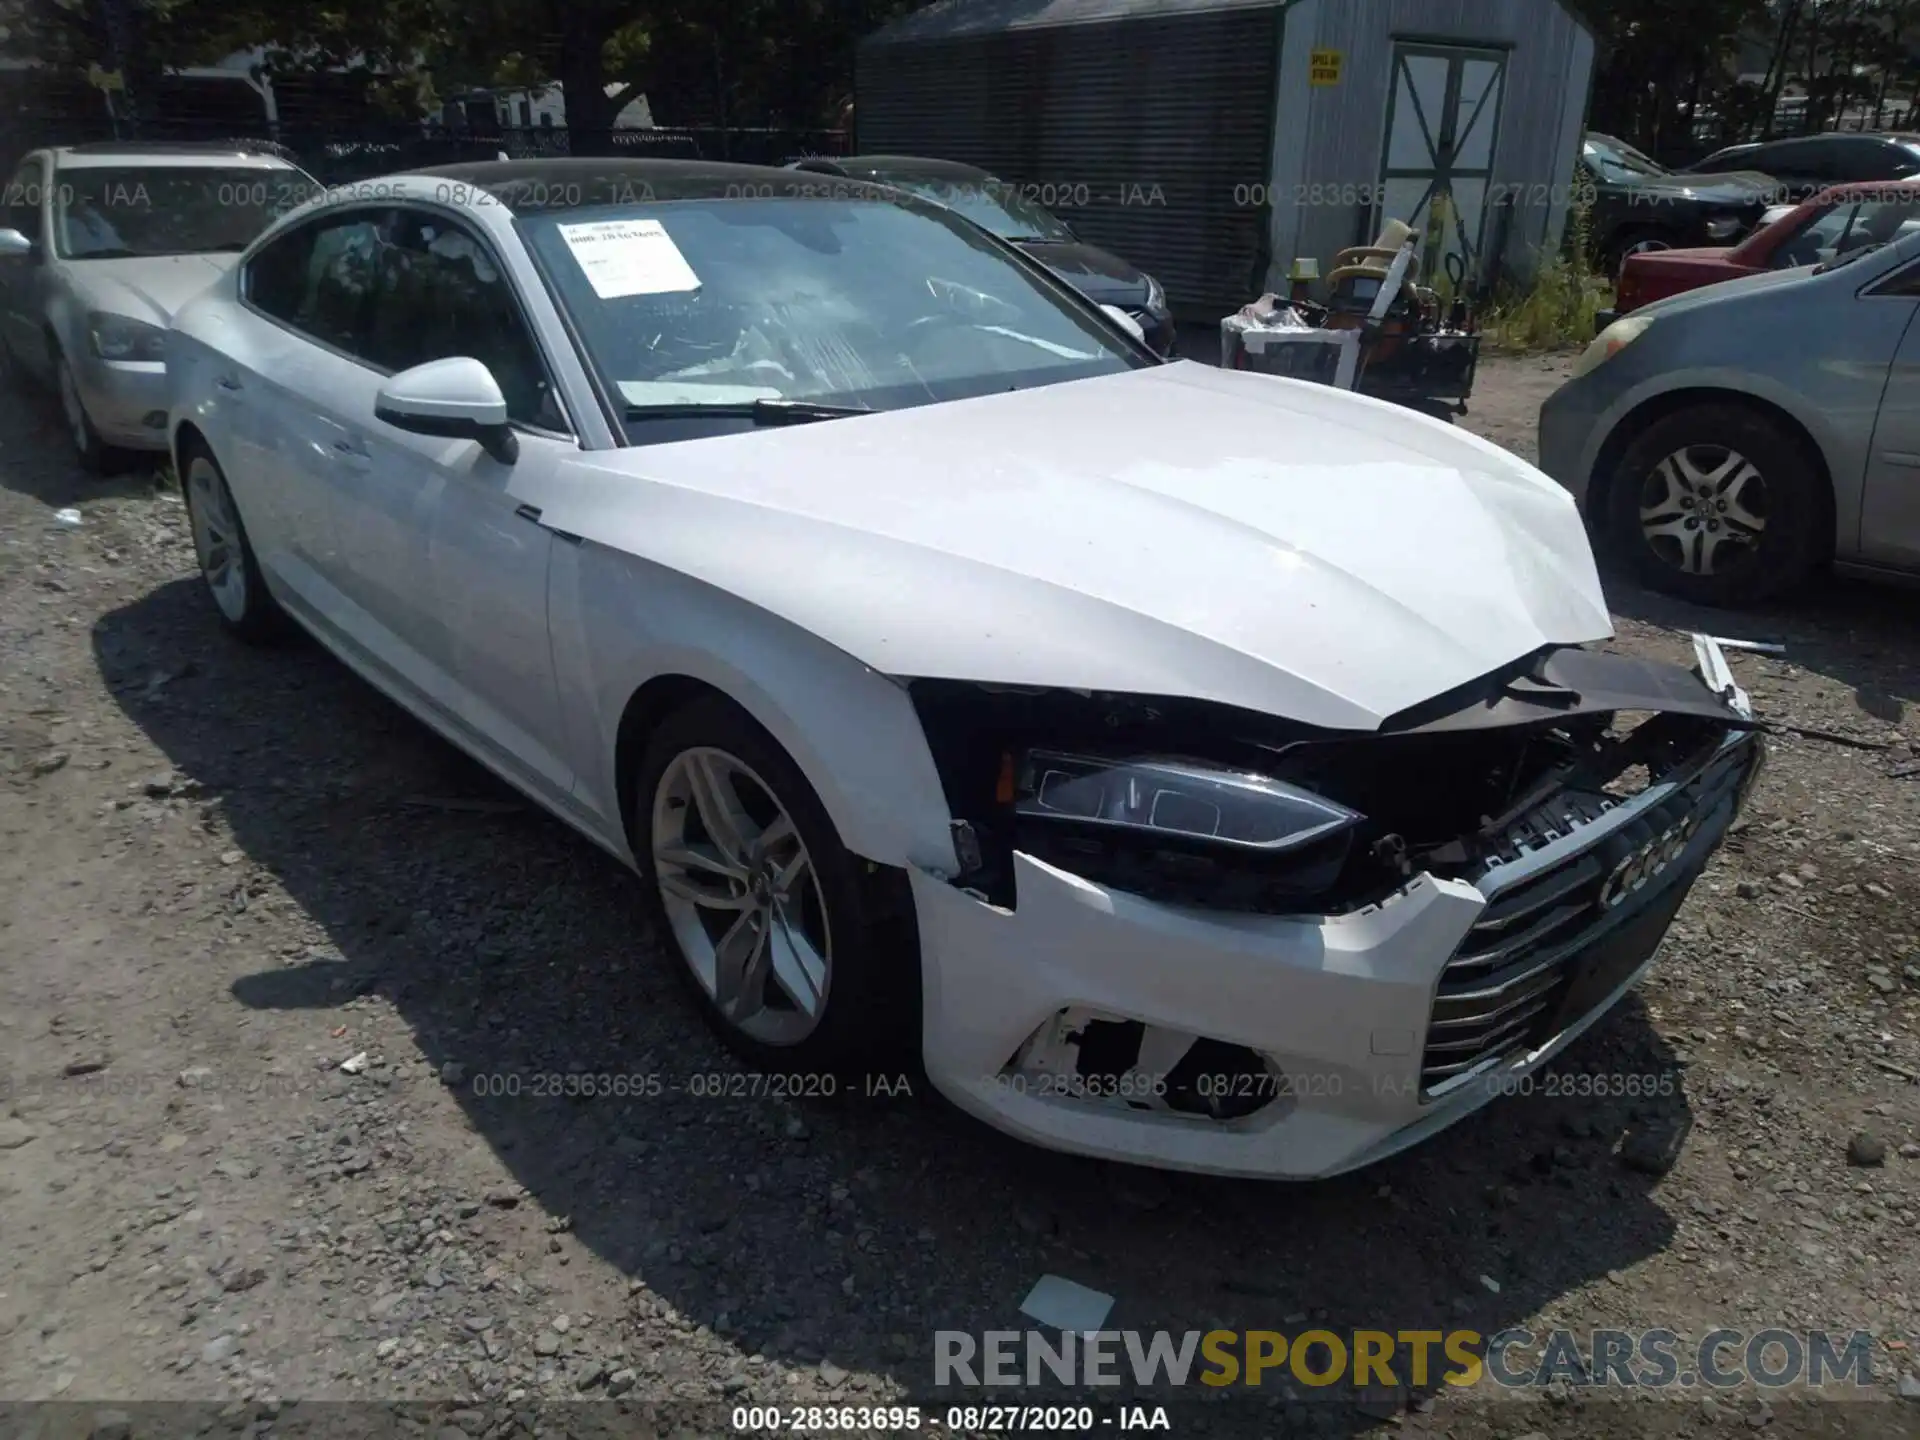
pixel 1649 860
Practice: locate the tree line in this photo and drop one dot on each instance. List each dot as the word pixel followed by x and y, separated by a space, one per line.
pixel 1669 73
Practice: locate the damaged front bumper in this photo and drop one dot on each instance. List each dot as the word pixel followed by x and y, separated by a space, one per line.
pixel 1101 1022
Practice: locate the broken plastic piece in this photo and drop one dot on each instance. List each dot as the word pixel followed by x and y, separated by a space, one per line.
pixel 1719 675
pixel 355 1064
pixel 68 517
pixel 1066 1305
pixel 1764 647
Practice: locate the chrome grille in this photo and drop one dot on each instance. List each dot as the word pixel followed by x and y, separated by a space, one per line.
pixel 1499 995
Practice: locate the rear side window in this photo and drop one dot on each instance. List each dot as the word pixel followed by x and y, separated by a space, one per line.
pixel 1793 157
pixel 1728 160
pixel 319 279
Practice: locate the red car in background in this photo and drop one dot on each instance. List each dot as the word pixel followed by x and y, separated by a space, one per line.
pixel 1833 222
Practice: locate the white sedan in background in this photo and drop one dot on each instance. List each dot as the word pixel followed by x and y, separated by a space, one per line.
pixel 1190 767
pixel 99 245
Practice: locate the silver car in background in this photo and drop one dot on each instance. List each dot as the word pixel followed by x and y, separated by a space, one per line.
pixel 1726 442
pixel 99 246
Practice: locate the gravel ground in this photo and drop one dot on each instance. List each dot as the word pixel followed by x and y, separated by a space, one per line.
pixel 225 872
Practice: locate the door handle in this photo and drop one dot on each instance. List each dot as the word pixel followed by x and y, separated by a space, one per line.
pixel 348 453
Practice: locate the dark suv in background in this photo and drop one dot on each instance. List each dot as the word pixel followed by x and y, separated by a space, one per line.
pixel 1808 164
pixel 1639 204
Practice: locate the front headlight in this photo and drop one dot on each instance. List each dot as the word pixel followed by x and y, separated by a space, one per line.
pixel 1610 342
pixel 1723 227
pixel 121 337
pixel 1177 799
pixel 1181 830
pixel 1156 297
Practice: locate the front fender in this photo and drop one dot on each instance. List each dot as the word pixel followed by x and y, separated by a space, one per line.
pixel 619 621
pixel 1844 461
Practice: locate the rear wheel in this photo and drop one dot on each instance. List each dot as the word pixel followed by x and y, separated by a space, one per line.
pixel 1718 504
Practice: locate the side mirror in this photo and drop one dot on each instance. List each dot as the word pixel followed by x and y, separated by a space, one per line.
pixel 1126 322
pixel 14 245
pixel 456 398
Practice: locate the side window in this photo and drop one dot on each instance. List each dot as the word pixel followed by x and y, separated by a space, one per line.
pixel 439 294
pixel 320 279
pixel 1906 282
pixel 20 201
pixel 1866 159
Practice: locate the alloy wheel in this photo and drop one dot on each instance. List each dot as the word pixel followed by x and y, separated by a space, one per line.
pixel 742 896
pixel 216 537
pixel 1703 509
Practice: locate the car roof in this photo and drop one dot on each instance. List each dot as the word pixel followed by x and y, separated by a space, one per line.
pixel 920 165
pixel 577 182
pixel 1830 137
pixel 123 154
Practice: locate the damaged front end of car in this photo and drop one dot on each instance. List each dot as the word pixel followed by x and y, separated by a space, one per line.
pixel 1571 799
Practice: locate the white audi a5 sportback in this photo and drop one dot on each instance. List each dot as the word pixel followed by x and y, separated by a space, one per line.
pixel 1191 767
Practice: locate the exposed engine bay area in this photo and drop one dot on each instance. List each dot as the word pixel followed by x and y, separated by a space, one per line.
pixel 1198 804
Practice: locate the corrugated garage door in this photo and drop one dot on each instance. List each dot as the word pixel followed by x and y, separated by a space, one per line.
pixel 1149 137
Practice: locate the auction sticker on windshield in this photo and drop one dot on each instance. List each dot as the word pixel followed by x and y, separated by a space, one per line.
pixel 629 257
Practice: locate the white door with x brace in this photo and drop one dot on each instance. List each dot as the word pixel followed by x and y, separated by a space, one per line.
pixel 1443 118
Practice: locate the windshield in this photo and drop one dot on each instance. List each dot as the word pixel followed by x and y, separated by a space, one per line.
pixel 870 303
pixel 105 212
pixel 1619 162
pixel 991 204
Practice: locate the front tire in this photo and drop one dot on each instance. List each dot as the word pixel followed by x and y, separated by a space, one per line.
pixel 1638 241
pixel 228 567
pixel 96 457
pixel 1718 504
pixel 766 910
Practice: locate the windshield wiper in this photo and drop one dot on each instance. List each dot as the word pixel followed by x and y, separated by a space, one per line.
pixel 762 412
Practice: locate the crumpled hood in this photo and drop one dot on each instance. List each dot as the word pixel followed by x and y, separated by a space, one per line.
pixel 1177 530
pixel 147 287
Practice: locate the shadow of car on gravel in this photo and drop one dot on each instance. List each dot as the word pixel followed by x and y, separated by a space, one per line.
pixel 1861 634
pixel 854 1229
pixel 40 457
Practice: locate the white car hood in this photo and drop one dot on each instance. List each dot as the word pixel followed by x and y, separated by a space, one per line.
pixel 1177 531
pixel 146 287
